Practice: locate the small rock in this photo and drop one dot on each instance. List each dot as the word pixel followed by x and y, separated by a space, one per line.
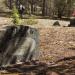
pixel 56 23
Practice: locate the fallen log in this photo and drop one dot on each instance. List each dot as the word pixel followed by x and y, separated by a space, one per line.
pixel 65 59
pixel 41 68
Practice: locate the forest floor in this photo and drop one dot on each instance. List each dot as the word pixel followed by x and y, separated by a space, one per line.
pixel 58 45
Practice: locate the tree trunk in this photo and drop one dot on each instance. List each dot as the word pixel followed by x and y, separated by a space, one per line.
pixel 32 8
pixel 59 14
pixel 10 4
pixel 17 3
pixel 43 9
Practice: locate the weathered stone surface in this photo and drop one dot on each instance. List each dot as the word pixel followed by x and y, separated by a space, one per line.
pixel 18 44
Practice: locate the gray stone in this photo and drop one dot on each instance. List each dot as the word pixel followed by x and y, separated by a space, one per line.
pixel 56 23
pixel 19 44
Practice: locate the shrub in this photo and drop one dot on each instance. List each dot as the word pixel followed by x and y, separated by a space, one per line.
pixel 31 22
pixel 15 15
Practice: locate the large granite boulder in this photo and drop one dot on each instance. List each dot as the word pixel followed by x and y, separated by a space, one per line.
pixel 18 44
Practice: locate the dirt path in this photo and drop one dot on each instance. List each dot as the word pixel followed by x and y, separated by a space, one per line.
pixel 48 23
pixel 41 22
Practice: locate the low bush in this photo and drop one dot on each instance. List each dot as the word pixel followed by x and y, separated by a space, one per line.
pixel 15 15
pixel 31 22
